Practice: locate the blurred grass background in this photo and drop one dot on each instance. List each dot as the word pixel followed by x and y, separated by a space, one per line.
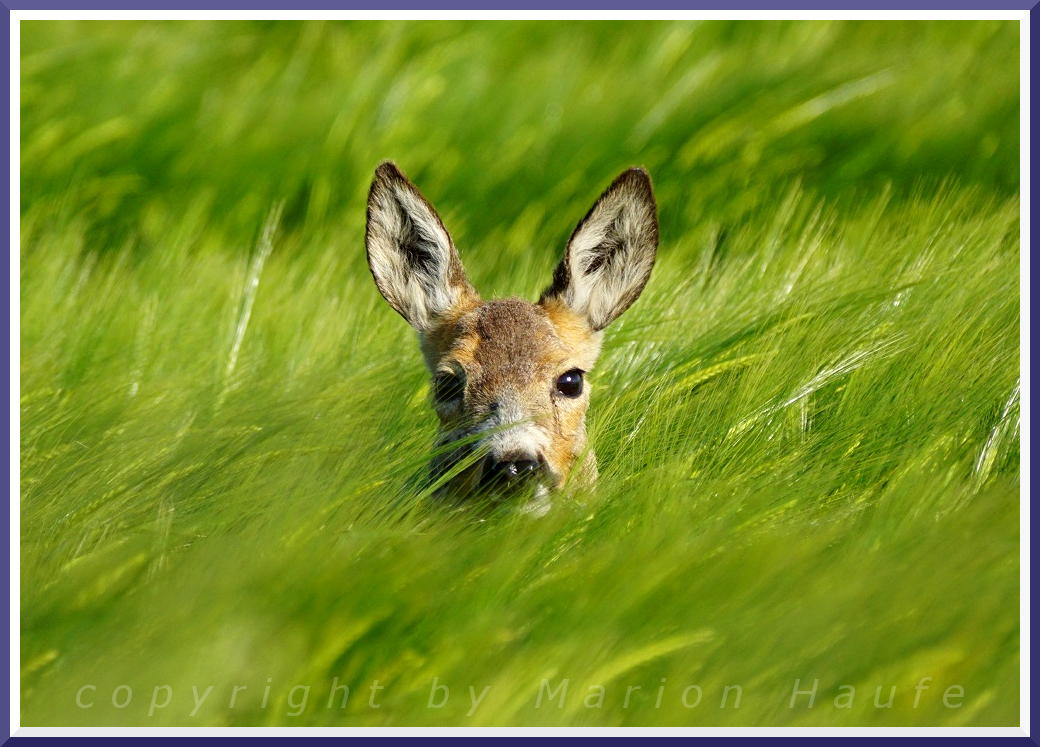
pixel 808 426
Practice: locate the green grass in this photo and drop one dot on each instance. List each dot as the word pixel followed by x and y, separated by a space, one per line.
pixel 807 427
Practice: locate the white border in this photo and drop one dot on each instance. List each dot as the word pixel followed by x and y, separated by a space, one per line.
pixel 19 15
pixel 1024 306
pixel 16 384
pixel 519 15
pixel 530 731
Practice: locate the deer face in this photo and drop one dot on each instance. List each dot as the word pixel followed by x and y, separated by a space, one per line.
pixel 509 376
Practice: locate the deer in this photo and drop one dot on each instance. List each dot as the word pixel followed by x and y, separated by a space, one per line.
pixel 508 376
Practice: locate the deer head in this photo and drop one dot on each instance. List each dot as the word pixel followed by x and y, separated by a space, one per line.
pixel 509 379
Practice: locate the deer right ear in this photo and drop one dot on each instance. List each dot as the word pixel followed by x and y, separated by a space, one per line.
pixel 610 254
pixel 410 254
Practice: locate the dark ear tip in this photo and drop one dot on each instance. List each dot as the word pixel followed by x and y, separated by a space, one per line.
pixel 637 175
pixel 389 171
pixel 636 179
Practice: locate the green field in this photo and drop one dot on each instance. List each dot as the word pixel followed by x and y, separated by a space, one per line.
pixel 807 426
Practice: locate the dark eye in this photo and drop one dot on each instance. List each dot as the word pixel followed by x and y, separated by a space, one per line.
pixel 447 387
pixel 569 385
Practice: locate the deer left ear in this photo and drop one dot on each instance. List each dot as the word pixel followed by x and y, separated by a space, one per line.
pixel 610 254
pixel 410 254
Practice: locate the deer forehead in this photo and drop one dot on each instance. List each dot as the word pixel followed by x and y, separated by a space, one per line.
pixel 514 343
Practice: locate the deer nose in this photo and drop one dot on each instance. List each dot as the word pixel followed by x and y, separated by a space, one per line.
pixel 511 469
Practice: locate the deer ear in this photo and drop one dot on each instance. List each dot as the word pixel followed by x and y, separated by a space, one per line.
pixel 410 254
pixel 610 254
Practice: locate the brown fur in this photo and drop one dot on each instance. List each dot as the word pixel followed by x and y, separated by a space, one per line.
pixel 516 349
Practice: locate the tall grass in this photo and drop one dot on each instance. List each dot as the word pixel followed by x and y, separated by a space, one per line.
pixel 807 427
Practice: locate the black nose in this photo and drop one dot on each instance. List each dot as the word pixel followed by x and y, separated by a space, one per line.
pixel 509 470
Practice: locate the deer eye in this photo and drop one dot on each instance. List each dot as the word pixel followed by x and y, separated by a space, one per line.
pixel 570 384
pixel 448 387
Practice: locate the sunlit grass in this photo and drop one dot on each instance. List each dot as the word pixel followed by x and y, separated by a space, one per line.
pixel 807 427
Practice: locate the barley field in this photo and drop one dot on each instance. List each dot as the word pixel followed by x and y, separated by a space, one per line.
pixel 807 426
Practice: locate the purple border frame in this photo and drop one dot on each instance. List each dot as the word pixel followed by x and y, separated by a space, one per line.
pixel 5 22
pixel 5 274
pixel 529 5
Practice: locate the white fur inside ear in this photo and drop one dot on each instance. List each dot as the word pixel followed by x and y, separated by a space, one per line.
pixel 410 253
pixel 611 255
